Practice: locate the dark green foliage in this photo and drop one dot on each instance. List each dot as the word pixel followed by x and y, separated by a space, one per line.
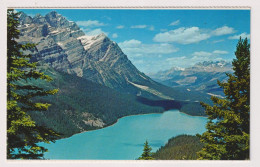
pixel 191 108
pixel 166 104
pixel 183 147
pixel 186 99
pixel 227 135
pixel 77 96
pixel 22 132
pixel 147 154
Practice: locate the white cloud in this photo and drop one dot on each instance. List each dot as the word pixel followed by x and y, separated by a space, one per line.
pixel 206 56
pixel 175 23
pixel 243 36
pixel 149 27
pixel 197 59
pixel 135 48
pixel 139 26
pixel 114 35
pixel 120 27
pixel 187 61
pixel 176 58
pixel 182 35
pixel 191 35
pixel 180 61
pixel 150 66
pixel 220 52
pixel 202 54
pixel 163 30
pixel 96 32
pixel 130 44
pixel 90 23
pixel 223 31
pixel 217 41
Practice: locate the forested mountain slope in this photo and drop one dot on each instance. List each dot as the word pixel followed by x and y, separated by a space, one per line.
pixel 82 105
pixel 183 147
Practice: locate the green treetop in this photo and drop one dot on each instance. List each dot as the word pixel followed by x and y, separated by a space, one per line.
pixel 146 155
pixel 22 132
pixel 227 135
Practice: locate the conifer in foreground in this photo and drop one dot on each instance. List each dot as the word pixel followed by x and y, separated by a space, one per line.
pixel 22 132
pixel 227 135
pixel 146 155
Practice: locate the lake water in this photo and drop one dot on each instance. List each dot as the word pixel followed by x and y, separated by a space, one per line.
pixel 125 139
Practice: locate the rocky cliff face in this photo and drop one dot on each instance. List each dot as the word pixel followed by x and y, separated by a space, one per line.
pixel 107 64
pixel 65 47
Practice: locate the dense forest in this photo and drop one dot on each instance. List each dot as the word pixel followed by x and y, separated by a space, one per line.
pixel 183 147
pixel 78 97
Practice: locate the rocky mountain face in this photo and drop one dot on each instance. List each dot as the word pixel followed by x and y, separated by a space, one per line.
pixel 202 76
pixel 66 48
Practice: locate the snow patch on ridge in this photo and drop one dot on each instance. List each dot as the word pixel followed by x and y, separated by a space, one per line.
pixel 87 41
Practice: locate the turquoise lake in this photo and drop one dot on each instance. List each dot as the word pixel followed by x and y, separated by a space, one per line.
pixel 125 139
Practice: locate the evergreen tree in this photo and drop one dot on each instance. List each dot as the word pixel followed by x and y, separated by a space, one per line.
pixel 146 155
pixel 227 135
pixel 22 132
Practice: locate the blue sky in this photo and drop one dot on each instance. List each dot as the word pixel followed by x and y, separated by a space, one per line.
pixel 160 39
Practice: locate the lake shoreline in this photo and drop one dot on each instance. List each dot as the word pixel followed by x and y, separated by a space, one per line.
pixel 113 123
pixel 129 116
pixel 126 136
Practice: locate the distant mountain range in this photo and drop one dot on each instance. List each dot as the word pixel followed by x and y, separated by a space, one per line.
pixel 202 76
pixel 85 66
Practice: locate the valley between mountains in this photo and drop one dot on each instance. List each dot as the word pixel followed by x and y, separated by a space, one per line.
pixel 98 84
